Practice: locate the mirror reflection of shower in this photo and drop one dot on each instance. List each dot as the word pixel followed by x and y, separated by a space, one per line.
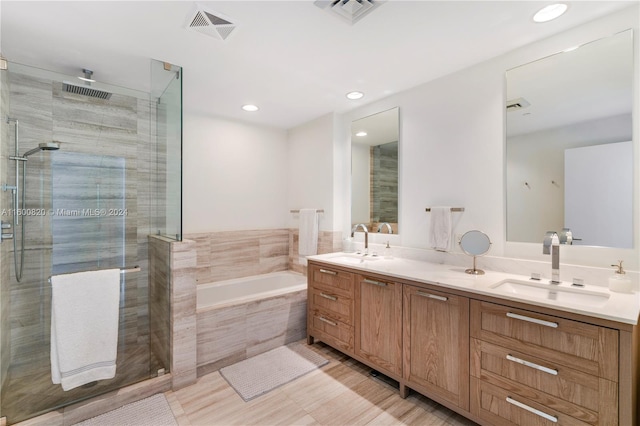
pixel 19 191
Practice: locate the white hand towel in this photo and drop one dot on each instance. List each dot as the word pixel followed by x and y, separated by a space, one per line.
pixel 440 229
pixel 84 327
pixel 308 235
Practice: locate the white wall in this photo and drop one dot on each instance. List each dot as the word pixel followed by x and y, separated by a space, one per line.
pixel 311 170
pixel 452 148
pixel 234 175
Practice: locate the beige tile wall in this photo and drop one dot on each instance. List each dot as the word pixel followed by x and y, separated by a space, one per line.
pixel 236 254
pixel 172 275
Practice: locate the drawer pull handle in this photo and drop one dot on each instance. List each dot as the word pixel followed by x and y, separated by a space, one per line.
pixel 534 320
pixel 532 410
pixel 533 365
pixel 433 296
pixel 326 271
pixel 323 319
pixel 378 283
pixel 328 296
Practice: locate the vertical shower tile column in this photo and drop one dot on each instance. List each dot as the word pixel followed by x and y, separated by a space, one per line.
pixel 172 275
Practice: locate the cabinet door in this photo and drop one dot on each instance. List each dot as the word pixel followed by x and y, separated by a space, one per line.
pixel 379 324
pixel 436 344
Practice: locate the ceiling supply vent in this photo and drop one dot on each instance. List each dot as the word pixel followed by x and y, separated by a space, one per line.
pixel 85 90
pixel 350 10
pixel 210 23
pixel 516 104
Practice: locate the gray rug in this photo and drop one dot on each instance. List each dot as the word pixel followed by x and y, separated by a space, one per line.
pixel 152 411
pixel 263 373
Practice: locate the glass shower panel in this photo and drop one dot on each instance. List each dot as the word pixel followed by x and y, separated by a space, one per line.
pixel 166 82
pixel 90 212
pixel 97 196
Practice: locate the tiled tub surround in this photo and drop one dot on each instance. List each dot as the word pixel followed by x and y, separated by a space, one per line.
pixel 227 255
pixel 94 128
pixel 172 279
pixel 259 313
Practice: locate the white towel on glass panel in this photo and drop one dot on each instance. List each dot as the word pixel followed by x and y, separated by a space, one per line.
pixel 440 228
pixel 308 235
pixel 84 327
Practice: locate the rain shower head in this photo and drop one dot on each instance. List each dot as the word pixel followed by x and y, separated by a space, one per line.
pixel 45 146
pixel 85 90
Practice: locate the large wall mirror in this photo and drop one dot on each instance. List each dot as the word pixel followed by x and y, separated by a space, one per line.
pixel 374 171
pixel 569 146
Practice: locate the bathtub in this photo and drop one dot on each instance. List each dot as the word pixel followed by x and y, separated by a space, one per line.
pixel 239 318
pixel 241 290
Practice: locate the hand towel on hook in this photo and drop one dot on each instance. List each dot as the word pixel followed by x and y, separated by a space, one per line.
pixel 440 228
pixel 84 327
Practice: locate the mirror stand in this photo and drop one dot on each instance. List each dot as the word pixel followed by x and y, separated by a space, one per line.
pixel 474 270
pixel 475 243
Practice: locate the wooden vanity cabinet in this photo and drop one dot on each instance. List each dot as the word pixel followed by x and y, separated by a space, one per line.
pixel 378 337
pixel 529 368
pixel 330 307
pixel 436 344
pixel 497 362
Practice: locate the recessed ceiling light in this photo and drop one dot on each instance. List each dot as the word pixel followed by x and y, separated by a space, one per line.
pixel 355 95
pixel 550 12
pixel 361 134
pixel 250 108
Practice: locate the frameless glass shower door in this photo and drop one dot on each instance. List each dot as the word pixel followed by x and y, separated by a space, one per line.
pixel 89 205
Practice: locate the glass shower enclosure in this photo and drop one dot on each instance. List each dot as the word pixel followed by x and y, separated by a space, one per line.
pixel 107 176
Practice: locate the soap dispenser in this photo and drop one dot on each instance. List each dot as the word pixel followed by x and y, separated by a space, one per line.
pixel 619 281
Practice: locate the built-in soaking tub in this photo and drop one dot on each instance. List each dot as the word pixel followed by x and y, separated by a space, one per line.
pixel 240 318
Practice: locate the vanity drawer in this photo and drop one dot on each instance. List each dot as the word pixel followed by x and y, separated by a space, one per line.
pixel 332 331
pixel 502 407
pixel 580 395
pixel 335 304
pixel 580 346
pixel 332 279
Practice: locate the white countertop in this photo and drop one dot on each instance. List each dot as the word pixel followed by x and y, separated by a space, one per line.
pixel 620 307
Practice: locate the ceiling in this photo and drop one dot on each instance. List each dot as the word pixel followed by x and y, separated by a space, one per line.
pixel 291 58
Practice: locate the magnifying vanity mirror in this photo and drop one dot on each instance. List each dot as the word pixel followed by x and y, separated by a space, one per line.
pixel 475 243
pixel 374 171
pixel 569 149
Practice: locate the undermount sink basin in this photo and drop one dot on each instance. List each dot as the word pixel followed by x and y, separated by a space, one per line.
pixel 551 292
pixel 354 258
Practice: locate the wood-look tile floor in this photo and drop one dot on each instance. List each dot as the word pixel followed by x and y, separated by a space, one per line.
pixel 340 393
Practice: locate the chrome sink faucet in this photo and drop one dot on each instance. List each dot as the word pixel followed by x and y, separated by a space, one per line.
pixel 366 235
pixel 551 245
pixel 389 229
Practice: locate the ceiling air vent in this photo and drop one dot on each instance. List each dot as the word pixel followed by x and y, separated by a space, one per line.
pixel 516 104
pixel 210 23
pixel 350 10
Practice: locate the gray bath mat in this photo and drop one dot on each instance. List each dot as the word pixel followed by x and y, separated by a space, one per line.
pixel 263 373
pixel 152 411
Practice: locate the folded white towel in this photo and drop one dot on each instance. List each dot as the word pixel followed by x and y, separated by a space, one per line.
pixel 84 327
pixel 308 235
pixel 440 228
